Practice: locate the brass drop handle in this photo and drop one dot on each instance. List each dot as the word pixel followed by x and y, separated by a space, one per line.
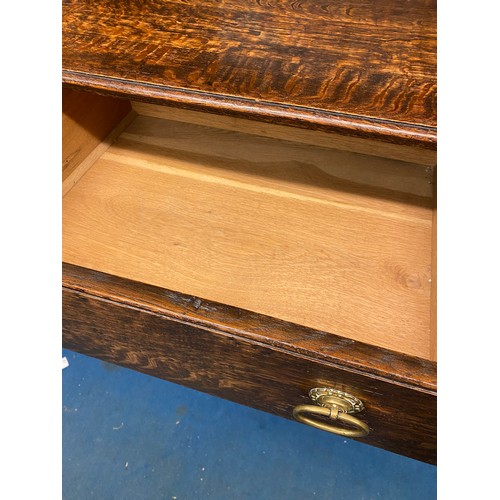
pixel 337 406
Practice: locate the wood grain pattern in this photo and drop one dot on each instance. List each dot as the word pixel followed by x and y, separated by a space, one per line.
pixel 248 358
pixel 360 68
pixel 331 140
pixel 87 122
pixel 263 225
pixel 239 154
pixel 434 266
pixel 345 239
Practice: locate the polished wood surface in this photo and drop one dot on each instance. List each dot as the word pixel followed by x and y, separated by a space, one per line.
pixel 320 219
pixel 301 233
pixel 362 68
pixel 248 358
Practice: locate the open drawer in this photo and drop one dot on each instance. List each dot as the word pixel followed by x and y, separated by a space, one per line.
pixel 220 255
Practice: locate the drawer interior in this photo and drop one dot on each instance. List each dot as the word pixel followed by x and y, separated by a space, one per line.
pixel 330 239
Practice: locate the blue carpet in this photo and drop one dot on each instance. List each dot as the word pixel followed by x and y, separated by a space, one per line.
pixel 131 436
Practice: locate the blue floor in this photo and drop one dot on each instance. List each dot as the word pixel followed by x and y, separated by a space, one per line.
pixel 131 436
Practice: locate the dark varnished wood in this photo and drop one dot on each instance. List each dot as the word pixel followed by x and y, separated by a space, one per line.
pixel 364 68
pixel 248 358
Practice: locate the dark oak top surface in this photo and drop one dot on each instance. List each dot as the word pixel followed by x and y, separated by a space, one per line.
pixel 363 68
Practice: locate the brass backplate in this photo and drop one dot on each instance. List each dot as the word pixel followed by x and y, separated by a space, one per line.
pixel 324 396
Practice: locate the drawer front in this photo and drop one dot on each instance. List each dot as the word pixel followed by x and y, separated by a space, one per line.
pixel 248 358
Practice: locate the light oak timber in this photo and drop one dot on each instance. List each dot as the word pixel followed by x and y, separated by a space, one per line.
pixel 434 284
pixel 298 163
pixel 223 217
pixel 314 137
pixel 74 176
pixel 89 122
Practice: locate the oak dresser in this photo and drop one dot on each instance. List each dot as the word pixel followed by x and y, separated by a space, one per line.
pixel 250 204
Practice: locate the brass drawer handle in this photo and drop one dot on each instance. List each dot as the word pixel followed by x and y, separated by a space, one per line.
pixel 335 405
